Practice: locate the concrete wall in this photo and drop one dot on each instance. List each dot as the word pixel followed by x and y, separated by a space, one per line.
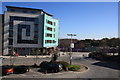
pixel 76 54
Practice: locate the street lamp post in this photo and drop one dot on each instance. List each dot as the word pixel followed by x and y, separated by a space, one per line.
pixel 11 54
pixel 10 57
pixel 71 47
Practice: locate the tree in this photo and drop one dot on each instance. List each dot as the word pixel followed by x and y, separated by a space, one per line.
pixel 54 56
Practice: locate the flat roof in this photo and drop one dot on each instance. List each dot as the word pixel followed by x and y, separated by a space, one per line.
pixel 29 9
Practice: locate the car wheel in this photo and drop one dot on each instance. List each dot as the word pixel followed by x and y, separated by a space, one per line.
pixel 56 71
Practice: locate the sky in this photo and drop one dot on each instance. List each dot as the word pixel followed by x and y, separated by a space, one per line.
pixel 60 0
pixel 88 20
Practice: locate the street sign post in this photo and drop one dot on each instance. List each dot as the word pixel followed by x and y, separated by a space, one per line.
pixel 72 45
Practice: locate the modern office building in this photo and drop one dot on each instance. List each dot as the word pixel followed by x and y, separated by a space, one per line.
pixel 28 30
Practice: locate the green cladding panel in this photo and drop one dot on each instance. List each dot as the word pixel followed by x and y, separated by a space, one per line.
pixel 51 31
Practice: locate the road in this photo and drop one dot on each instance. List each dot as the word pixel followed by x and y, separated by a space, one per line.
pixel 97 69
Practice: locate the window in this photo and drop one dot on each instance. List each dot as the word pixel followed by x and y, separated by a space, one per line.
pixel 12 10
pixel 54 29
pixel 46 20
pixel 49 29
pixel 22 18
pixel 54 24
pixel 10 33
pixel 24 11
pixel 11 18
pixel 36 21
pixel 45 41
pixel 48 35
pixel 48 41
pixel 10 41
pixel 36 28
pixel 49 22
pixel 54 35
pixel 54 41
pixel 27 33
pixel 11 25
pixel 33 12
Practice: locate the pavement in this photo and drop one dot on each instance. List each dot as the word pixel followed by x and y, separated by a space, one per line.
pixel 27 56
pixel 44 56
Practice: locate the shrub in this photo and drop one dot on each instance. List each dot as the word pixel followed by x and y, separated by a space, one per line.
pixel 65 64
pixel 97 55
pixel 73 67
pixel 54 57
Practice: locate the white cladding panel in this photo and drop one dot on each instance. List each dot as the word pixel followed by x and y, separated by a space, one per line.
pixel 24 37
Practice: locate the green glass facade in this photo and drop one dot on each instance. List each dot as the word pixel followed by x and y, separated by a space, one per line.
pixel 51 32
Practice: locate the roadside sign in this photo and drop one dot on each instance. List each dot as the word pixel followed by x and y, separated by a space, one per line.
pixel 72 45
pixel 70 57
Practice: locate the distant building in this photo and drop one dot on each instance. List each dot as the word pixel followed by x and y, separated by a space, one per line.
pixel 27 30
pixel 80 44
pixel 64 44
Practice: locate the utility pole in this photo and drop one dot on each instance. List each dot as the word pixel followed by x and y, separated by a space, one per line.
pixel 71 46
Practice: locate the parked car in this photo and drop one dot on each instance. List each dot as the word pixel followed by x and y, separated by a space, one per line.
pixel 7 70
pixel 53 67
pixel 21 69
